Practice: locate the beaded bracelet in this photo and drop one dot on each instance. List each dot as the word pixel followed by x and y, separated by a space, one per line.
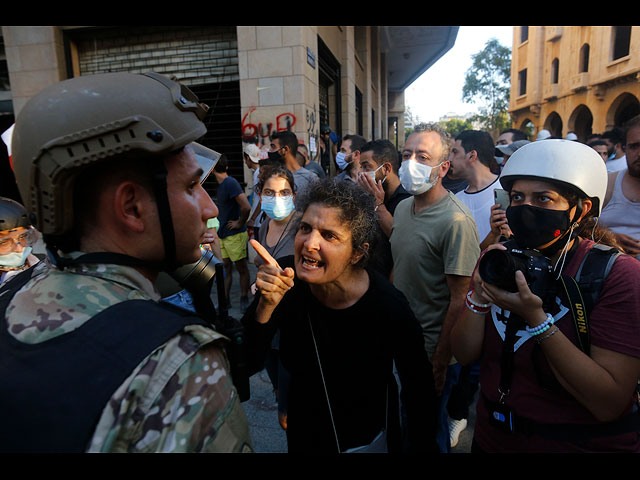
pixel 476 304
pixel 475 307
pixel 543 327
pixel 540 340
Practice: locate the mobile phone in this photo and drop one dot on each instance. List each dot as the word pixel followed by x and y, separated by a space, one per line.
pixel 501 197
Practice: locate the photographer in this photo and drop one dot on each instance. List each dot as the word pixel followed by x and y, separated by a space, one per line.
pixel 545 385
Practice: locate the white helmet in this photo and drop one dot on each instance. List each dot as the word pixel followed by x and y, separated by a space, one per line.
pixel 571 163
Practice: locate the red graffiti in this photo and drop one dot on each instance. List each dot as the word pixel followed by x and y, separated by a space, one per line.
pixel 258 133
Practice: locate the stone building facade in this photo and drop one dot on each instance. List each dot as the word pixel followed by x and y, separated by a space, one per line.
pixel 256 79
pixel 581 79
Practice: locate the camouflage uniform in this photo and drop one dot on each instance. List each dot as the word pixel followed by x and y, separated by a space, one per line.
pixel 179 399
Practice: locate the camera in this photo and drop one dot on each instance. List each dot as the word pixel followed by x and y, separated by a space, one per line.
pixel 498 267
pixel 198 278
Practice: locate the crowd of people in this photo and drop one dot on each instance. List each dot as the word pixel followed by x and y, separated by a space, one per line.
pixel 395 290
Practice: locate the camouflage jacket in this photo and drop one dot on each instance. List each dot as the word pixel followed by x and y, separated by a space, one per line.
pixel 179 399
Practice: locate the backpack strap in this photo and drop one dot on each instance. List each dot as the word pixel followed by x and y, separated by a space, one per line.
pixel 583 290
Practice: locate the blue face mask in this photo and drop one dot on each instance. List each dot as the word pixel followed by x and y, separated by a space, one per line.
pixel 277 208
pixel 15 259
pixel 341 160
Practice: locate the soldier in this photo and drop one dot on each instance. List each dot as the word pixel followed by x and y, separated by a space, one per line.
pixel 17 237
pixel 91 361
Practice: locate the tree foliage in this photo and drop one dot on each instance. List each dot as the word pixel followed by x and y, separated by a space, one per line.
pixel 454 126
pixel 487 84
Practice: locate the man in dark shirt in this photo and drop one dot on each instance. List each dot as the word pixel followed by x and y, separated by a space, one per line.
pixel 234 212
pixel 379 175
pixel 303 159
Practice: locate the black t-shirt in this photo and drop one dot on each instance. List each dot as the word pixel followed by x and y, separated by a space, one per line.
pixel 381 259
pixel 357 347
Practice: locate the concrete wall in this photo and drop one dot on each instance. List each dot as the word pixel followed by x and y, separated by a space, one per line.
pixel 278 69
pixel 35 59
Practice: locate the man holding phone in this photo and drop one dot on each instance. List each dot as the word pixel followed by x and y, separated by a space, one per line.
pixel 471 158
pixel 498 219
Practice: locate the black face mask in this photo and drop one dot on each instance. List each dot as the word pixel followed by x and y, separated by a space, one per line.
pixel 535 226
pixel 275 156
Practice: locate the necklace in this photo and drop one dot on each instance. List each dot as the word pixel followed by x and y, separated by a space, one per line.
pixel 284 230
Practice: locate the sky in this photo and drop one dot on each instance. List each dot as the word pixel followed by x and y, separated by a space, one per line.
pixel 438 91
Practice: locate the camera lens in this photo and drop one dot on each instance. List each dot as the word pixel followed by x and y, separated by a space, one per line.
pixel 498 267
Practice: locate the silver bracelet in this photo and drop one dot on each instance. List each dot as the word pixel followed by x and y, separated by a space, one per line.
pixel 540 340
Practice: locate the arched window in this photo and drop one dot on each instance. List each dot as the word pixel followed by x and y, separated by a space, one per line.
pixel 583 65
pixel 554 70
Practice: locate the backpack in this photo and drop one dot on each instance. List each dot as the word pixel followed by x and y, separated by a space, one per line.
pixel 583 290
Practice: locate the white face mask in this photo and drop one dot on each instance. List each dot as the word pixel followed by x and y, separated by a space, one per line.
pixel 372 175
pixel 416 177
pixel 15 259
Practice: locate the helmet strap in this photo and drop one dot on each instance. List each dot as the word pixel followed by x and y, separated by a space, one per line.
pixel 159 184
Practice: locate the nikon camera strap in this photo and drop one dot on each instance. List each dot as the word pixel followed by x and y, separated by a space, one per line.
pixel 583 290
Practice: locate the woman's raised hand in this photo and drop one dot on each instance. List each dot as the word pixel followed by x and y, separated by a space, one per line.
pixel 272 282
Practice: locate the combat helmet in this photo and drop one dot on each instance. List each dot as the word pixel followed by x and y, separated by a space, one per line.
pixel 90 119
pixel 12 215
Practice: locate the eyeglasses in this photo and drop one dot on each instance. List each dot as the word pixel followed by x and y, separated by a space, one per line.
pixel 272 193
pixel 12 238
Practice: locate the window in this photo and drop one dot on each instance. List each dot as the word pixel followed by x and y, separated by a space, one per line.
pixel 373 123
pixel 554 70
pixel 359 113
pixel 524 34
pixel 522 82
pixel 621 41
pixel 583 66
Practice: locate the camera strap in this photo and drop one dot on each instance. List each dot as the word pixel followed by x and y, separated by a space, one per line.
pixel 583 290
pixel 578 311
pixel 514 324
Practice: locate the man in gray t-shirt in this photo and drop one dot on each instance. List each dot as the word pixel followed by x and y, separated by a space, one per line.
pixel 435 246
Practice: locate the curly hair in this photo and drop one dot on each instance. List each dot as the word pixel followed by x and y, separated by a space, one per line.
pixel 356 209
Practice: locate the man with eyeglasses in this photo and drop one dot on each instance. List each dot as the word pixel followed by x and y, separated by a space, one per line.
pixel 435 246
pixel 621 212
pixel 17 237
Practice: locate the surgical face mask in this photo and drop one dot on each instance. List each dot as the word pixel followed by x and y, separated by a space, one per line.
pixel 372 175
pixel 15 259
pixel 278 208
pixel 341 160
pixel 415 177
